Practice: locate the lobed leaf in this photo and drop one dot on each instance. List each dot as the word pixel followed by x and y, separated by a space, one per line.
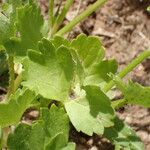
pixel 6 29
pixel 12 111
pixel 58 143
pixel 60 41
pixel 29 25
pixel 92 113
pixel 48 73
pixel 123 136
pixel 89 58
pixel 56 125
pixel 89 49
pixel 70 146
pixel 55 121
pixel 49 133
pixel 137 94
pixel 26 137
pixel 134 93
pixel 99 72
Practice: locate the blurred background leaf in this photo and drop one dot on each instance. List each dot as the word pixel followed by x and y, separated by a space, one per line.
pixel 3 69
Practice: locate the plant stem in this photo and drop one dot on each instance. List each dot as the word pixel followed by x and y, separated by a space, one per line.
pixel 58 9
pixel 81 17
pixel 11 75
pixel 5 133
pixel 17 81
pixel 51 16
pixel 128 69
pixel 1 136
pixel 118 103
pixel 51 12
pixel 62 15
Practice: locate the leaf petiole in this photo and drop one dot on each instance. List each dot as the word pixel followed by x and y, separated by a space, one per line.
pixel 61 16
pixel 51 12
pixel 51 16
pixel 128 69
pixel 81 17
pixel 17 81
pixel 118 103
pixel 11 75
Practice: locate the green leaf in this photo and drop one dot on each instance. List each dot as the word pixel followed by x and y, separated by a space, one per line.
pixel 92 113
pixel 134 93
pixel 89 49
pixel 100 105
pixel 82 120
pixel 29 25
pixel 12 111
pixel 70 146
pixel 56 121
pixel 123 136
pixel 50 132
pixel 58 143
pixel 26 137
pixel 14 47
pixel 137 94
pixel 48 72
pixel 83 52
pixel 89 55
pixel 59 41
pixel 56 124
pixel 6 8
pixel 15 3
pixel 6 29
pixel 99 72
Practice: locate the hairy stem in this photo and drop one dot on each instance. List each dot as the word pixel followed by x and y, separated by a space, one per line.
pixel 11 75
pixel 129 68
pixel 62 15
pixel 81 17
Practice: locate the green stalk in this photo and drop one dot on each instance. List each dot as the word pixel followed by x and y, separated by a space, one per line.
pixel 51 17
pixel 5 133
pixel 118 103
pixel 128 69
pixel 11 75
pixel 62 15
pixel 18 81
pixel 81 17
pixel 1 136
pixel 51 13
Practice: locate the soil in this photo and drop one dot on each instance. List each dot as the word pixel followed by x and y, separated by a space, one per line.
pixel 124 27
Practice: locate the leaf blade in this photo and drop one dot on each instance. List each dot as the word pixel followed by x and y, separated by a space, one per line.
pixel 16 106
